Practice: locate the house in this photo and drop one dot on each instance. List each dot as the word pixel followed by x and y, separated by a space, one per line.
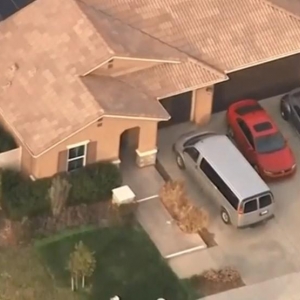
pixel 81 77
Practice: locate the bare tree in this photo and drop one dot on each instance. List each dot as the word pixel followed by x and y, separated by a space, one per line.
pixel 58 193
pixel 189 218
pixel 81 264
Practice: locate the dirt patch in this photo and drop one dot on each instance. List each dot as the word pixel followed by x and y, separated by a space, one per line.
pixel 208 238
pixel 213 281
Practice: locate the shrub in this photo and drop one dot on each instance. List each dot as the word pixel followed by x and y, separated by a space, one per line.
pixel 224 275
pixel 23 197
pixel 93 183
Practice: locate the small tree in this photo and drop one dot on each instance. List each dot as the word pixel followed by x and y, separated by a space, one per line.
pixel 81 263
pixel 58 193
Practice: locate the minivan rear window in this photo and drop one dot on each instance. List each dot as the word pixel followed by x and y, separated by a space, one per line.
pixel 250 206
pixel 265 201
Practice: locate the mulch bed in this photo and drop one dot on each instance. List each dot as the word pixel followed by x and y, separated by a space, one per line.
pixel 206 287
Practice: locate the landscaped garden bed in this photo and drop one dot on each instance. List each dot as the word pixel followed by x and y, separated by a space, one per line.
pixel 127 265
pixel 213 281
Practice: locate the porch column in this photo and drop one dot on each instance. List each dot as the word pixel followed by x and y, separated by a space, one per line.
pixel 146 151
pixel 203 100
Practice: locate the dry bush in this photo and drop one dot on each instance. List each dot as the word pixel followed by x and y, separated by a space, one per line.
pixel 123 214
pixel 189 218
pixel 224 275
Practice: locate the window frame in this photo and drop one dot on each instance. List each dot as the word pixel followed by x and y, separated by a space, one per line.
pixel 189 154
pixel 84 156
pixel 219 183
pixel 246 131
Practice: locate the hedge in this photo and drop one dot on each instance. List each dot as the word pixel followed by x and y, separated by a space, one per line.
pixel 22 197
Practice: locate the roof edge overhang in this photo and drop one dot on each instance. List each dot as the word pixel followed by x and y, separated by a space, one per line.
pixel 130 58
pixel 194 88
pixel 263 61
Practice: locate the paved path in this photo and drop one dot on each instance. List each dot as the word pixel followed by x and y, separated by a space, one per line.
pixel 281 288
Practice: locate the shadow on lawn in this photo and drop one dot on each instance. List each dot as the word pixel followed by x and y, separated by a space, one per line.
pixel 128 265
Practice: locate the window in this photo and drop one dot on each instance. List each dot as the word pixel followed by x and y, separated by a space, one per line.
pixel 213 176
pixel 262 126
pixel 248 109
pixel 297 109
pixel 265 201
pixel 246 131
pixel 193 153
pixel 269 143
pixel 76 157
pixel 250 206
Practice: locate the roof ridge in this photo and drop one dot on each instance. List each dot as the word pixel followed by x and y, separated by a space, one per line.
pixel 189 57
pixel 279 8
pixel 78 3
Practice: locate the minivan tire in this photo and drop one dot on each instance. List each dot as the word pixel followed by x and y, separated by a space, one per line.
pixel 225 216
pixel 179 161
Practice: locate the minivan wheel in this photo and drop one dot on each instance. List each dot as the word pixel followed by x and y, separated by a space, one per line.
pixel 180 161
pixel 225 216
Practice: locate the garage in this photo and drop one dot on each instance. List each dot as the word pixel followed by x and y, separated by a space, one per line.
pixel 259 82
pixel 179 108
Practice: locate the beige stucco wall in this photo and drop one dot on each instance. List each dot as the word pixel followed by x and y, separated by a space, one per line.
pixel 202 101
pixel 107 137
pixel 123 66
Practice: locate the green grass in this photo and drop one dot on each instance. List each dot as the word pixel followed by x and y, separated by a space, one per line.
pixel 128 265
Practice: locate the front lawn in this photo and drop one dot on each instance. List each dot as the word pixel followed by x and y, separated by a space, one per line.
pixel 128 265
pixel 24 277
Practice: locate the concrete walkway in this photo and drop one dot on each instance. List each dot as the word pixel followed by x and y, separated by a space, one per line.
pixel 281 288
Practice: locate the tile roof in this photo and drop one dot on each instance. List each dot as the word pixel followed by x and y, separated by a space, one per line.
pixel 230 34
pixel 48 45
pixel 185 76
pixel 119 98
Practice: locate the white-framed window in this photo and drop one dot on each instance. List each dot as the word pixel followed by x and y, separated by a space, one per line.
pixel 76 156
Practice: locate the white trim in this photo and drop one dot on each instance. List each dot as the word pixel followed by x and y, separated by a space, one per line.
pixel 147 198
pixel 129 58
pixel 116 161
pixel 197 87
pixel 84 156
pixel 257 63
pixel 84 143
pixel 32 177
pixel 136 118
pixel 146 153
pixel 185 251
pixel 192 117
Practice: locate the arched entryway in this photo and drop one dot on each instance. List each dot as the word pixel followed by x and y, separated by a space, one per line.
pixel 129 141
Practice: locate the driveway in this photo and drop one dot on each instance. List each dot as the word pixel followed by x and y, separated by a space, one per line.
pixel 260 253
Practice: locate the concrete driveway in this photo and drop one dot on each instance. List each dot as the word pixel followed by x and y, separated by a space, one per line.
pixel 260 253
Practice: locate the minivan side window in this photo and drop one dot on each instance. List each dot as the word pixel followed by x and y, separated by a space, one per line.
pixel 213 176
pixel 193 153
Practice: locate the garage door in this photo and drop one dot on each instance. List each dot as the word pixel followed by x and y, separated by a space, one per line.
pixel 178 107
pixel 264 81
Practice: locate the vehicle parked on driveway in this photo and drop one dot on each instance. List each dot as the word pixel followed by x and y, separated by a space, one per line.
pixel 290 108
pixel 259 139
pixel 222 171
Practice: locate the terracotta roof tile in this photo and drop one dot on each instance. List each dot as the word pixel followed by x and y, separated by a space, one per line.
pixel 230 34
pixel 41 97
pixel 119 98
pixel 185 76
pixel 128 41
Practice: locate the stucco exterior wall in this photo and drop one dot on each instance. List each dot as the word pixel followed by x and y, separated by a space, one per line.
pixel 203 100
pixel 107 135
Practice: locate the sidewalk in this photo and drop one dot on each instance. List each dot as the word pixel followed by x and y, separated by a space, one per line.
pixel 281 288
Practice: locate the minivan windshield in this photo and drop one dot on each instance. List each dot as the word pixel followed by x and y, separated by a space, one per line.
pixel 269 143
